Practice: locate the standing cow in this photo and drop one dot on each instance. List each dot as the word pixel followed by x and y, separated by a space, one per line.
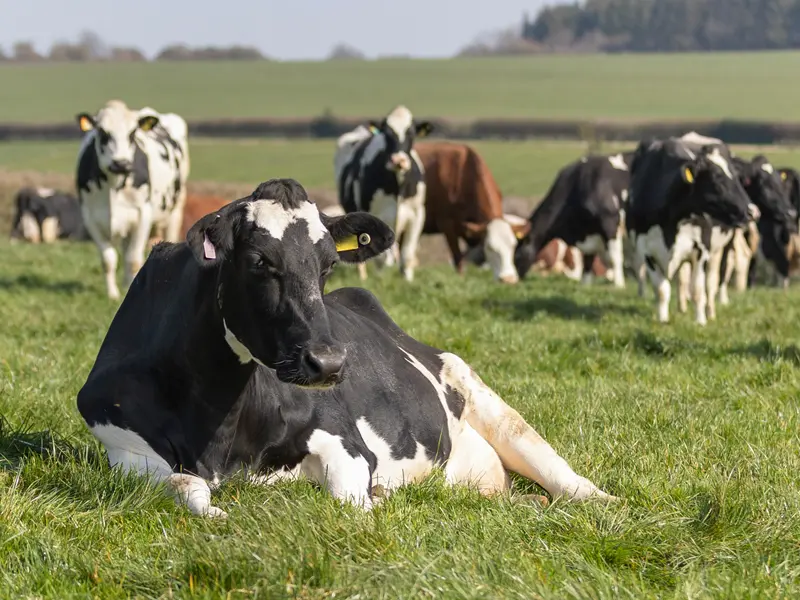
pixel 378 171
pixel 685 202
pixel 464 202
pixel 131 181
pixel 584 208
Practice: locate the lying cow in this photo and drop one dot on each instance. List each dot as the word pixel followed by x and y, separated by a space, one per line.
pixel 685 202
pixel 378 171
pixel 463 202
pixel 226 354
pixel 46 215
pixel 131 181
pixel 583 208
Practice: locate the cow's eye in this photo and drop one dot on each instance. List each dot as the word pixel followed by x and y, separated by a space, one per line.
pixel 103 135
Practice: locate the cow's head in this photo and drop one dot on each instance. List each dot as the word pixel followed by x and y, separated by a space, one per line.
pixel 714 188
pixel 500 238
pixel 115 127
pixel 764 186
pixel 394 139
pixel 271 254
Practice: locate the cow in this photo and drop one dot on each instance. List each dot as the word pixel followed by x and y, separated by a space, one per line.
pixel 584 207
pixel 378 171
pixel 685 202
pixel 226 355
pixel 131 181
pixel 46 215
pixel 464 202
pixel 775 229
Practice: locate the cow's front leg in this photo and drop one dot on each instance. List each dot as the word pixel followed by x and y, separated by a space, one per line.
pixel 616 258
pixel 588 264
pixel 519 447
pixel 699 290
pixel 345 475
pixel 662 287
pixel 135 244
pixel 414 222
pixel 712 267
pixel 684 286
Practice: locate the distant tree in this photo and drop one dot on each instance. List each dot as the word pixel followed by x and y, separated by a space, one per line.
pixel 183 52
pixel 94 46
pixel 124 54
pixel 502 43
pixel 25 52
pixel 345 52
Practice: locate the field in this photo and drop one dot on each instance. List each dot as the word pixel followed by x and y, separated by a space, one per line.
pixel 696 429
pixel 754 86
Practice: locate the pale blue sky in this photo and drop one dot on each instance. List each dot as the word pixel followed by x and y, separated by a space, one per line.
pixel 285 29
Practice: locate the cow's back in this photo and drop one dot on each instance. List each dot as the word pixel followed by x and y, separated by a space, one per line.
pixel 460 186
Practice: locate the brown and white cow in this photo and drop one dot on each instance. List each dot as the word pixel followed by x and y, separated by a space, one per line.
pixel 464 202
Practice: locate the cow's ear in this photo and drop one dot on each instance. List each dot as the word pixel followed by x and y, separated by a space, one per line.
pixel 521 231
pixel 688 173
pixel 211 238
pixel 359 236
pixel 85 121
pixel 147 122
pixel 474 231
pixel 424 129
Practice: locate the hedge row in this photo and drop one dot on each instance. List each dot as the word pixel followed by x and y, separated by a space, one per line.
pixel 734 132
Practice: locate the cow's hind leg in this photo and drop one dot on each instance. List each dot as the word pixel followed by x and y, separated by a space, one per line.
pixel 519 447
pixel 474 462
pixel 616 258
pixel 684 286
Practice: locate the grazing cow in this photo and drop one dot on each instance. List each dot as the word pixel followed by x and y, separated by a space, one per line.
pixel 776 226
pixel 685 202
pixel 198 206
pixel 583 208
pixel 227 355
pixel 131 181
pixel 378 171
pixel 45 215
pixel 464 202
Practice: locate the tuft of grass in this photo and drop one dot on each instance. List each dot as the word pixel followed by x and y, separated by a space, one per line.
pixel 697 429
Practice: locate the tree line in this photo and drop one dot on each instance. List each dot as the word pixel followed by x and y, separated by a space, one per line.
pixel 664 26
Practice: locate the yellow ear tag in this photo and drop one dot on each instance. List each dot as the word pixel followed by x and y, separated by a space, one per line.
pixel 519 234
pixel 687 174
pixel 783 175
pixel 373 130
pixel 85 124
pixel 348 243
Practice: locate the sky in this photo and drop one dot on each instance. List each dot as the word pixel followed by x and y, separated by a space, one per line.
pixel 281 29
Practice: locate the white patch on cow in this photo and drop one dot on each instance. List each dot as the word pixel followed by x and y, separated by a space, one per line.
pixel 624 195
pixel 499 247
pixel 715 157
pixel 391 472
pixel 44 192
pixel 328 463
pixel 453 423
pixel 768 168
pixel 400 120
pixel 616 258
pixel 409 225
pixel 334 210
pixel 618 162
pixel 515 219
pixel 274 218
pixel 701 140
pixel 30 227
pixel 473 462
pixel 50 229
pixel 593 244
pixel 239 349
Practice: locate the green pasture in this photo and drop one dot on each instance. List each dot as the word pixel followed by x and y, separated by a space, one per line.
pixel 696 429
pixel 524 168
pixel 657 86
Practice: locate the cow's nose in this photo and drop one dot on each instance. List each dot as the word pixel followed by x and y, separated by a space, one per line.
pixel 120 166
pixel 323 363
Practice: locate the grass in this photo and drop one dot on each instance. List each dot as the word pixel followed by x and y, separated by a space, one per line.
pixel 657 86
pixel 525 168
pixel 697 429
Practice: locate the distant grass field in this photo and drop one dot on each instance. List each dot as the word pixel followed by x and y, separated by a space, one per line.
pixel 521 168
pixel 696 429
pixel 740 85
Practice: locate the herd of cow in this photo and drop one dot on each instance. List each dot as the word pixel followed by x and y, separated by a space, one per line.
pixel 226 354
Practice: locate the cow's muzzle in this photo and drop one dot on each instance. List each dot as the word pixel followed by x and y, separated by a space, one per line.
pixel 120 167
pixel 316 367
pixel 399 162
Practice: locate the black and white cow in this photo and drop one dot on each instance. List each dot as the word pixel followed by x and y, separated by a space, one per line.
pixel 227 355
pixel 776 226
pixel 46 215
pixel 131 181
pixel 378 171
pixel 685 202
pixel 584 208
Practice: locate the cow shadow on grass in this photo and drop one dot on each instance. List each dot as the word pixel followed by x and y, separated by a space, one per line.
pixel 18 445
pixel 560 307
pixel 36 282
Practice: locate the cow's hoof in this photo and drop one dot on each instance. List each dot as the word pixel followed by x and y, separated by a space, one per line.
pixel 215 513
pixel 509 279
pixel 532 499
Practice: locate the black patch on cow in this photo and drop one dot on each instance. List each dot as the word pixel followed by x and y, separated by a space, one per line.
pixel 89 171
pixel 651 263
pixel 61 206
pixel 141 169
